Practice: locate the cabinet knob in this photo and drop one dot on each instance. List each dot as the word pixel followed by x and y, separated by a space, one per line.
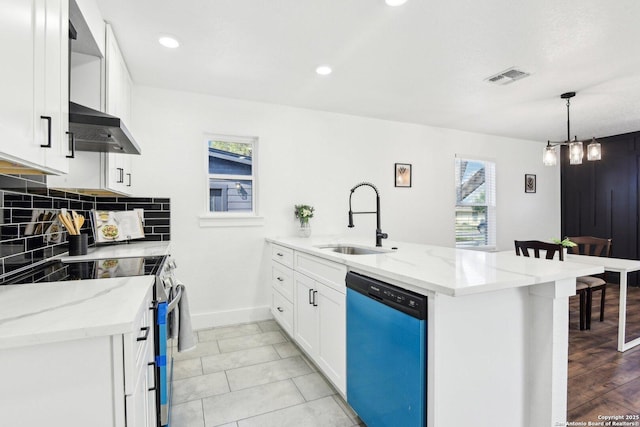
pixel 280 309
pixel 280 279
pixel 279 254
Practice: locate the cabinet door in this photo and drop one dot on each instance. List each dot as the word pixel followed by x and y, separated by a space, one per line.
pixel 56 86
pixel 331 351
pixel 115 171
pixel 19 40
pixel 34 106
pixel 137 404
pixel 306 315
pixel 118 81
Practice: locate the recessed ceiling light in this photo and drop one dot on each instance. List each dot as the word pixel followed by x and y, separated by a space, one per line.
pixel 395 2
pixel 324 70
pixel 168 41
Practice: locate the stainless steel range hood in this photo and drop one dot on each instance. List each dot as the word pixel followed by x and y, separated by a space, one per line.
pixel 96 131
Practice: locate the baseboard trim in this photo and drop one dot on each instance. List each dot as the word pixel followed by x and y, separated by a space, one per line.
pixel 230 317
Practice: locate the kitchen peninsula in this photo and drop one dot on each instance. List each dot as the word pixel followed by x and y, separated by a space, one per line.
pixel 497 324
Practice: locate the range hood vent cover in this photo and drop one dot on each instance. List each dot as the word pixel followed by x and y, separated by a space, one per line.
pixel 99 132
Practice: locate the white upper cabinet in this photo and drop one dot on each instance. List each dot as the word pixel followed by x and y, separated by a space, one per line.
pixel 34 83
pixel 118 79
pixel 118 103
pixel 102 84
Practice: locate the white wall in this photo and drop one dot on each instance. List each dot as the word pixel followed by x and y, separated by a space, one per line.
pixel 315 158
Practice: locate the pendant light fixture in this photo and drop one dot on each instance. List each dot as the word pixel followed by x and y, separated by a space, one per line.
pixel 576 151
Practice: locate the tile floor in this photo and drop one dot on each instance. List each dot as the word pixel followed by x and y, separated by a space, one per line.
pixel 252 375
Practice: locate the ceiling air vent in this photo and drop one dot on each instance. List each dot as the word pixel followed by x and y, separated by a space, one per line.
pixel 507 76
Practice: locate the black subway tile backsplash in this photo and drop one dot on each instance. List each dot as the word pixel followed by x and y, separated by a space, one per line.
pixel 29 208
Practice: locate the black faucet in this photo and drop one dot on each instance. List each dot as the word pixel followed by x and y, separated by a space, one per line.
pixel 379 234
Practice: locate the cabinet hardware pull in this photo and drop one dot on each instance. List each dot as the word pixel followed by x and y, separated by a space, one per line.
pixel 310 296
pixel 280 309
pixel 280 279
pixel 279 254
pixel 72 145
pixel 315 303
pixel 48 144
pixel 154 368
pixel 120 175
pixel 146 334
pixel 129 184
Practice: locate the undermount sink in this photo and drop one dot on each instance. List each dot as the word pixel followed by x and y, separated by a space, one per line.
pixel 354 250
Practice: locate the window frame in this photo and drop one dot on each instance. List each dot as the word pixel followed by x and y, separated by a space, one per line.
pixel 231 219
pixel 490 201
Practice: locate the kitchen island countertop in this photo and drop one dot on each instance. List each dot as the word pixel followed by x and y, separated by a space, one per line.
pixel 448 271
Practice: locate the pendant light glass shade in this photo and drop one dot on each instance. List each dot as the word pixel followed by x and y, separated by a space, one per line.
pixel 594 150
pixel 550 156
pixel 576 152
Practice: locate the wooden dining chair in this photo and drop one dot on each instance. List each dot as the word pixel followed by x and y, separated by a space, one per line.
pixel 594 246
pixel 536 246
pixel 551 248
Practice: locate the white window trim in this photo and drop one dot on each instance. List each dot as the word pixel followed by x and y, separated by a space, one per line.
pixel 226 219
pixel 491 208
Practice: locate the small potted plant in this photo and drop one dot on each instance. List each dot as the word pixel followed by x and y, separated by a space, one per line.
pixel 566 244
pixel 304 213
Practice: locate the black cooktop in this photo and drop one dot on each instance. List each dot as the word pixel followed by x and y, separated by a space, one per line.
pixel 56 271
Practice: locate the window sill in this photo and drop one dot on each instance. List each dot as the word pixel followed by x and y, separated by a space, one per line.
pixel 206 221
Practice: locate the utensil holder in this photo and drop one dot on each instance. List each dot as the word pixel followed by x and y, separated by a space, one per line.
pixel 78 244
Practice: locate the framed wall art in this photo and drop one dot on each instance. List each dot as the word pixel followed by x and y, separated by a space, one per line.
pixel 529 183
pixel 402 175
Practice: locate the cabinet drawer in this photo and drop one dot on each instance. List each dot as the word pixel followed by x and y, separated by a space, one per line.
pixel 282 311
pixel 137 344
pixel 282 280
pixel 327 272
pixel 283 255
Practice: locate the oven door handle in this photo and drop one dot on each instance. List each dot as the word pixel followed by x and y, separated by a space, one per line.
pixel 174 302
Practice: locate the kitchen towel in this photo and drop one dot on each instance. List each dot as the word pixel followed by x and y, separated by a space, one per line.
pixel 186 340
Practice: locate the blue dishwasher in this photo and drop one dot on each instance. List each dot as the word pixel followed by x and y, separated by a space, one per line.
pixel 386 353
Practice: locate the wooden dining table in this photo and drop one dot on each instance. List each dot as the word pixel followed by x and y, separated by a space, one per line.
pixel 624 267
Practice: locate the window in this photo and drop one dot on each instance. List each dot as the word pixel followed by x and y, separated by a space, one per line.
pixel 475 203
pixel 231 174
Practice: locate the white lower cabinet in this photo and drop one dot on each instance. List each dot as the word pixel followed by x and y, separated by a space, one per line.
pixel 100 381
pixel 320 326
pixel 308 301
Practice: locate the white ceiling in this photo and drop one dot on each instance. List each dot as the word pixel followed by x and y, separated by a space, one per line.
pixel 425 62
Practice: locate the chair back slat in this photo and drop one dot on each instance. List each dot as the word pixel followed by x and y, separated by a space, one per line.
pixel 523 246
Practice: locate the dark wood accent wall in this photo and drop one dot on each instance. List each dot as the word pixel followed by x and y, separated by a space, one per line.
pixel 601 199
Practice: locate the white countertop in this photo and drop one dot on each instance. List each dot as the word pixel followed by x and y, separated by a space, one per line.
pixel 448 271
pixel 610 264
pixel 122 250
pixel 60 311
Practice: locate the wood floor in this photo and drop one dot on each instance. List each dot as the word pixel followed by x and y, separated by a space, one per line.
pixel 603 381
